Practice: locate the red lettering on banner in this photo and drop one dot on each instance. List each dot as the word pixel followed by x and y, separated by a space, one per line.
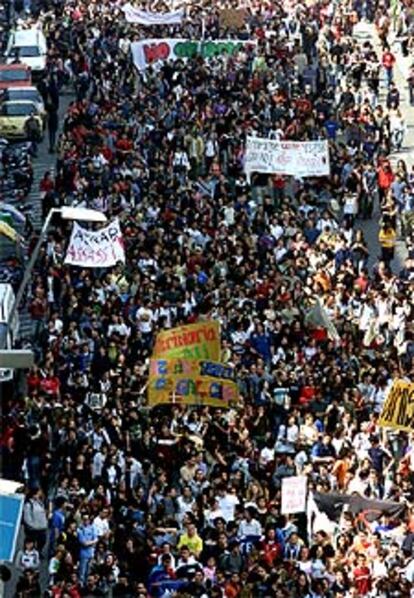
pixel 156 52
pixel 209 334
pixel 200 388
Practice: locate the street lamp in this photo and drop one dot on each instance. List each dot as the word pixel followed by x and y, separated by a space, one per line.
pixel 67 213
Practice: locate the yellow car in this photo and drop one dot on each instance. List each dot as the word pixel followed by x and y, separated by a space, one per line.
pixel 14 116
pixel 24 94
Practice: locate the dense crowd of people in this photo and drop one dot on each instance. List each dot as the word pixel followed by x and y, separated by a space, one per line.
pixel 124 500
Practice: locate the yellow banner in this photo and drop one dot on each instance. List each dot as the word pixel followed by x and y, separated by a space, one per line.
pixel 194 341
pixel 398 409
pixel 173 368
pixel 198 390
pixel 192 382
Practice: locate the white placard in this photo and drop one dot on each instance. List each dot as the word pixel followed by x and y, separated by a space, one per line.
pixel 294 494
pixel 96 249
pixel 292 158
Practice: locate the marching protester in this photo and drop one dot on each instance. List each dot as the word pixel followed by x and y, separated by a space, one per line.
pixel 234 150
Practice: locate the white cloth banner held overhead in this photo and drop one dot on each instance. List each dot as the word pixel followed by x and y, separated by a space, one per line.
pixel 150 51
pixel 96 249
pixel 144 17
pixel 294 494
pixel 292 158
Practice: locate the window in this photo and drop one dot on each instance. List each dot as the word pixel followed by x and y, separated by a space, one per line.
pixel 17 109
pixel 25 51
pixel 23 94
pixel 14 75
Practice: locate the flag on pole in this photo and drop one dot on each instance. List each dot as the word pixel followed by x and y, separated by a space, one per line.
pixel 15 213
pixel 318 317
pixel 7 218
pixel 317 519
pixel 8 231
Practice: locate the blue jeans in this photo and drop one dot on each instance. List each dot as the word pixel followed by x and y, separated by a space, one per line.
pixel 388 76
pixel 397 138
pixel 33 470
pixel 83 568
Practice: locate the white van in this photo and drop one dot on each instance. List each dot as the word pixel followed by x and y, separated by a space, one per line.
pixel 7 335
pixel 27 46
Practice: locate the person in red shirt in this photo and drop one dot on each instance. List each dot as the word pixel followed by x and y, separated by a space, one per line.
pixel 271 548
pixel 124 146
pixel 362 576
pixel 50 384
pixel 47 184
pixel 233 587
pixel 278 183
pixel 385 179
pixel 388 61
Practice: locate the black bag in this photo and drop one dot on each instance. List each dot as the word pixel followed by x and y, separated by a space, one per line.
pixel 33 129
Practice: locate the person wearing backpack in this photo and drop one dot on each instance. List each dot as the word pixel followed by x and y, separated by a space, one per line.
pixel 35 519
pixel 33 132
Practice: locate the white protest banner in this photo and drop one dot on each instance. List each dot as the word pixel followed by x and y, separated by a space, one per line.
pixel 292 158
pixel 96 249
pixel 294 494
pixel 147 18
pixel 149 51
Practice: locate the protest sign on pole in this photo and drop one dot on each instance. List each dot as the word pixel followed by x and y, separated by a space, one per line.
pixel 294 494
pixel 292 158
pixel 398 409
pixel 148 51
pixel 96 249
pixel 194 341
pixel 148 18
pixel 233 18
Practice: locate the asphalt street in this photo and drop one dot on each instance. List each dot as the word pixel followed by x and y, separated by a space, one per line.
pixel 43 162
pixel 367 31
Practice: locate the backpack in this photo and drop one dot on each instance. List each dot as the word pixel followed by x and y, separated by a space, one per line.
pixel 33 129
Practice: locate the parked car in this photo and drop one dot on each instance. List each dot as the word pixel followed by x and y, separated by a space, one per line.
pixel 16 75
pixel 14 116
pixel 7 333
pixel 26 94
pixel 29 47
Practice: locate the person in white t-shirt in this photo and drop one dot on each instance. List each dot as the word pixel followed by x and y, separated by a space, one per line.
pixel 102 525
pixel 145 322
pixel 227 502
pixel 249 526
pixel 267 455
pixel 145 318
pixel 29 557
